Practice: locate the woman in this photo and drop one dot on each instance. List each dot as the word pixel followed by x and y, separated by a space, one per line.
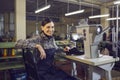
pixel 45 43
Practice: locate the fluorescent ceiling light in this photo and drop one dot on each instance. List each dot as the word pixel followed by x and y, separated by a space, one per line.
pixel 42 9
pixel 99 16
pixel 74 12
pixel 113 18
pixel 116 2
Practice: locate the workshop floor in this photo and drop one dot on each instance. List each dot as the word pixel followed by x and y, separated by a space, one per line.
pixel 66 66
pixel 115 75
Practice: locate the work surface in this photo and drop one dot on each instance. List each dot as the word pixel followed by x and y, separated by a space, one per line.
pixel 98 67
pixel 103 59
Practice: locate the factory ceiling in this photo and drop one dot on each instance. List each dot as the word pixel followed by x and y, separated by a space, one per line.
pixel 58 7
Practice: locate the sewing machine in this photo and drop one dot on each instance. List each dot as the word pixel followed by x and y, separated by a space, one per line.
pixel 92 36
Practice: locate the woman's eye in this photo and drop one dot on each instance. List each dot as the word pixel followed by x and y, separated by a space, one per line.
pixel 52 26
pixel 48 26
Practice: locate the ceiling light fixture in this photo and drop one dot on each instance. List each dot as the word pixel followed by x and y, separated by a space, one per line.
pixel 42 9
pixel 74 12
pixel 113 18
pixel 99 16
pixel 116 2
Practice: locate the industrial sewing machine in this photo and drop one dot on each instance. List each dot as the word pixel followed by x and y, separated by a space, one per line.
pixel 91 40
pixel 92 36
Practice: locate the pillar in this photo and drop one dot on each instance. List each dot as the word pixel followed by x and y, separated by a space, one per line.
pixel 20 19
pixel 104 22
pixel 6 19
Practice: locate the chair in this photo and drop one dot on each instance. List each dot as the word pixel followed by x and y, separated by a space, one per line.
pixel 30 58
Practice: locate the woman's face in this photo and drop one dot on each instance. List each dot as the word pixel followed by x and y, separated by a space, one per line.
pixel 48 29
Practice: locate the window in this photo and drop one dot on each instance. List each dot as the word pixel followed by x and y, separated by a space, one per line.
pixel 1 24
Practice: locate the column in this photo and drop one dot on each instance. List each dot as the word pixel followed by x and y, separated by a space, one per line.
pixel 6 19
pixel 104 22
pixel 20 19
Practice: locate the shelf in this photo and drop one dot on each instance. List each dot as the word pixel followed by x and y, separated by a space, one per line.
pixel 11 65
pixel 7 44
pixel 11 57
pixel 10 62
pixel 5 67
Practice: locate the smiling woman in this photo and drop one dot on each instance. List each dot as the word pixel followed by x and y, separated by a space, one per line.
pixel 46 46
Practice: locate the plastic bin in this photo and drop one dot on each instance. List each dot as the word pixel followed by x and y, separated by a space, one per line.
pixel 18 74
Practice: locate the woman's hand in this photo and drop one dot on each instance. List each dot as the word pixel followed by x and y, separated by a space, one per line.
pixel 66 49
pixel 42 52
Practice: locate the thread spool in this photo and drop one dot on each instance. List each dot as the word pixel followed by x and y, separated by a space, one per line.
pixel 5 53
pixel 13 52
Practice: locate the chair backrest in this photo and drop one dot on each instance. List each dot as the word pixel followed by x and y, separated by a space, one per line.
pixel 31 57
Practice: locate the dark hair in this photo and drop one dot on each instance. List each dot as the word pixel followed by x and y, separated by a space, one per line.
pixel 45 21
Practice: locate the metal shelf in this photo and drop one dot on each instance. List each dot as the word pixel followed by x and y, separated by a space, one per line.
pixel 7 44
pixel 11 57
pixel 9 63
pixel 12 66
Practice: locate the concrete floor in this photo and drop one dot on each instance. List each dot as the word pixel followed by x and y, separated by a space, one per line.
pixel 115 75
pixel 66 66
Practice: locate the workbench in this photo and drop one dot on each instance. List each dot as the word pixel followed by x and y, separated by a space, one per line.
pixel 97 67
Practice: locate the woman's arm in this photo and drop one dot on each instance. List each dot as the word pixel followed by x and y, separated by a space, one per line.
pixel 28 43
pixel 31 43
pixel 43 54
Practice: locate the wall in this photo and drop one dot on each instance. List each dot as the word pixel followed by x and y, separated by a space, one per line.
pixel 60 27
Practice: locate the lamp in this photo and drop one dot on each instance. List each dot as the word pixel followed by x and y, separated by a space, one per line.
pixel 99 16
pixel 116 2
pixel 74 12
pixel 112 18
pixel 43 8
